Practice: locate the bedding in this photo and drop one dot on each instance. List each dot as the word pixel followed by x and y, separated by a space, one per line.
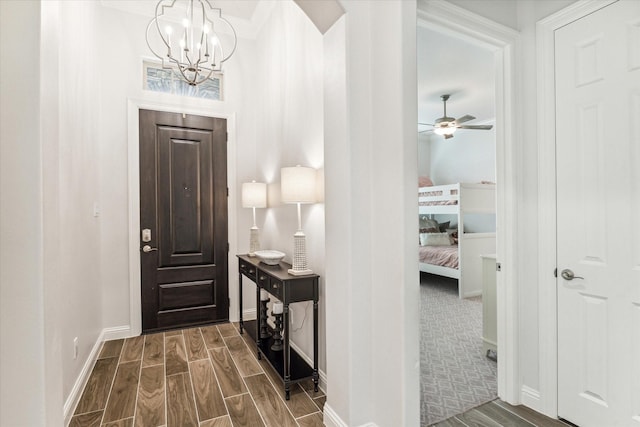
pixel 446 256
pixel 425 181
pixel 437 202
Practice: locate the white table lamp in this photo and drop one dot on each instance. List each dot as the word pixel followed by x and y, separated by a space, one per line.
pixel 254 195
pixel 298 185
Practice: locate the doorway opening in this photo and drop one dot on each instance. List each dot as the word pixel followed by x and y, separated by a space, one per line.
pixel 183 219
pixel 458 345
pixel 449 27
pixel 188 107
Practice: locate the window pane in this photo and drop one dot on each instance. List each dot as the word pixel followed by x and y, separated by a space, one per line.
pixel 160 79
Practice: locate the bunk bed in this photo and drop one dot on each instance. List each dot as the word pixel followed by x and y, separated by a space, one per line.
pixel 461 258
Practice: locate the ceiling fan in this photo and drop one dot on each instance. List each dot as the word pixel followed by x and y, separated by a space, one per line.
pixel 446 126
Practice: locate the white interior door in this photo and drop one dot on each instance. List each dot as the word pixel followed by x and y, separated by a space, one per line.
pixel 598 212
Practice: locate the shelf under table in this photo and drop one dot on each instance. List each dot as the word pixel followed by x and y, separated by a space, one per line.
pixel 299 368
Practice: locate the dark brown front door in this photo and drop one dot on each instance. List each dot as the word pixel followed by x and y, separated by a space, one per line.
pixel 183 211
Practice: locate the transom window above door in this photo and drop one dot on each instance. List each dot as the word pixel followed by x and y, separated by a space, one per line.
pixel 165 80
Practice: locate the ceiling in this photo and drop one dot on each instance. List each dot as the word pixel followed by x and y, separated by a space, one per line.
pixel 246 16
pixel 240 9
pixel 461 68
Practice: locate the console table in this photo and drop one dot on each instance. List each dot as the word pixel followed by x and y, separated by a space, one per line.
pixel 290 365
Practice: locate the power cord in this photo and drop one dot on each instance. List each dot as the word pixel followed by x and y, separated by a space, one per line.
pixel 303 319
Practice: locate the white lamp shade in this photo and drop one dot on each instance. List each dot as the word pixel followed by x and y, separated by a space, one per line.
pixel 298 184
pixel 254 195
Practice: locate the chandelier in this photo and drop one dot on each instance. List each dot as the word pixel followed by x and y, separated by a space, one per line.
pixel 183 36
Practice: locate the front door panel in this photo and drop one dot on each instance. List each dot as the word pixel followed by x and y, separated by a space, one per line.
pixel 183 201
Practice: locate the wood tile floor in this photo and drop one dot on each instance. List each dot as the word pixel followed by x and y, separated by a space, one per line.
pixel 500 414
pixel 201 377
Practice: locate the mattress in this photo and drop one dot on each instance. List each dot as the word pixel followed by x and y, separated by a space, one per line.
pixel 445 256
pixel 437 193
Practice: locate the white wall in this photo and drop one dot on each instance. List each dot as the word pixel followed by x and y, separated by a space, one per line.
pixel 371 170
pixel 79 271
pixel 424 155
pixel 22 335
pixel 289 119
pixel 470 156
pixel 61 266
pixel 529 12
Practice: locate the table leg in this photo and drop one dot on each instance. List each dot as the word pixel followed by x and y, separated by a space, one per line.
pixel 258 320
pixel 315 345
pixel 240 301
pixel 287 368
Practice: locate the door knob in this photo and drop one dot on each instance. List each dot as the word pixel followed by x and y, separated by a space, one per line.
pixel 147 248
pixel 568 275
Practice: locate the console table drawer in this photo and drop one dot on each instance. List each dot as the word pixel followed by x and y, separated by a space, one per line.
pixel 275 288
pixel 263 280
pixel 248 270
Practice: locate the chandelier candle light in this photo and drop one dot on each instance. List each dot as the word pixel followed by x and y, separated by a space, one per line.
pixel 298 185
pixel 254 195
pixel 183 36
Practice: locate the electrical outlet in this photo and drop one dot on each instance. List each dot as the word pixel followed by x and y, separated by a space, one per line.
pixel 75 348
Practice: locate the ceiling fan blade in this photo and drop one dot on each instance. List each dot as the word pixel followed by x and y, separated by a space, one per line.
pixel 465 118
pixel 425 124
pixel 479 127
pixel 426 131
pixel 447 136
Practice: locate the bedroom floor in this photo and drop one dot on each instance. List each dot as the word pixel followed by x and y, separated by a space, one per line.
pixel 455 374
pixel 206 376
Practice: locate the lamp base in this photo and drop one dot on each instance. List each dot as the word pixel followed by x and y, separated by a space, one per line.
pixel 254 241
pixel 299 272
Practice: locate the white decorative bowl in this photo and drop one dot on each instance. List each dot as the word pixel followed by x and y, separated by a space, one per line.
pixel 270 257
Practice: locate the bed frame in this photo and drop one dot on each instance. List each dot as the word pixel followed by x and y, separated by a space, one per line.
pixel 469 198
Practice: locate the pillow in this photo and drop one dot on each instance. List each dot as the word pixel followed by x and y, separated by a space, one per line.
pixel 442 226
pixel 428 223
pixel 425 181
pixel 453 235
pixel 429 230
pixel 435 239
pixel 423 239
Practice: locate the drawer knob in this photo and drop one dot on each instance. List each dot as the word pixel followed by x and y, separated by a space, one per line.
pixel 251 271
pixel 262 278
pixel 276 285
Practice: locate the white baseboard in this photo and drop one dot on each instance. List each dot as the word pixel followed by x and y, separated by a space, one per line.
pixel 531 398
pixel 331 419
pixel 116 333
pixel 472 294
pixel 249 314
pixel 106 334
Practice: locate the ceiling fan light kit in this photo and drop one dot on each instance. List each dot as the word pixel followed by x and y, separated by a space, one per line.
pixel 446 126
pixel 444 129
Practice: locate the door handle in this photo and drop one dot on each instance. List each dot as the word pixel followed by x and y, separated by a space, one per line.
pixel 147 248
pixel 569 275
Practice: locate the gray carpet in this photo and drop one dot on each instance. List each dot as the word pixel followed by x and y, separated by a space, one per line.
pixel 454 373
